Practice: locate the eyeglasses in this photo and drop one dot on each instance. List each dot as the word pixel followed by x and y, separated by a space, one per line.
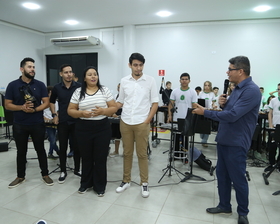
pixel 232 69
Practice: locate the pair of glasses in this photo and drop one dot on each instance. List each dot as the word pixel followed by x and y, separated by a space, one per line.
pixel 232 69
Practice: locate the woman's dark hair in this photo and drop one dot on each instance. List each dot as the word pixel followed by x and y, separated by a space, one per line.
pixel 84 84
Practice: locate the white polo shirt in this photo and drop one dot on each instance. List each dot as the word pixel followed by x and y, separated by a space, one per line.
pixel 275 106
pixel 137 97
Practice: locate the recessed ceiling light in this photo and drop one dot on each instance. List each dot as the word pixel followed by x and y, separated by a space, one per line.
pixel 71 22
pixel 164 13
pixel 30 5
pixel 262 8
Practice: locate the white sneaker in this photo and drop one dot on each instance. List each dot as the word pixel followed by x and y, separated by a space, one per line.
pixel 145 190
pixel 114 154
pixel 122 187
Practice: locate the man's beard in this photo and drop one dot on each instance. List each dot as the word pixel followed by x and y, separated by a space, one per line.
pixel 29 76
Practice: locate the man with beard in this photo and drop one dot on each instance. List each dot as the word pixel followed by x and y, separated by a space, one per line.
pixel 27 98
pixel 65 124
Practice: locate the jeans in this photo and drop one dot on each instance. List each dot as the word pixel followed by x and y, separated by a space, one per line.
pixel 52 139
pixel 204 138
pixel 37 133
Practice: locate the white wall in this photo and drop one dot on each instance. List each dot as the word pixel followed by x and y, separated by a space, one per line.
pixel 15 44
pixel 201 49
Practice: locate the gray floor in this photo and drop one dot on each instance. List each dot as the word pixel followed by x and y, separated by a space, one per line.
pixel 170 201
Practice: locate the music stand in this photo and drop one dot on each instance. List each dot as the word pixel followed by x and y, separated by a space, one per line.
pixel 189 130
pixel 171 148
pixel 277 165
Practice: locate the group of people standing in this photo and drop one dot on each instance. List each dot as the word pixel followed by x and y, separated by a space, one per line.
pixel 83 112
pixel 82 116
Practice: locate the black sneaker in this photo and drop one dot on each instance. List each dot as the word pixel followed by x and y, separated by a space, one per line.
pixel 100 194
pixel 82 190
pixel 78 173
pixel 62 177
pixel 269 168
pixel 218 210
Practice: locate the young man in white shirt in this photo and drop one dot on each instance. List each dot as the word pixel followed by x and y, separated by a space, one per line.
pixel 273 119
pixel 138 98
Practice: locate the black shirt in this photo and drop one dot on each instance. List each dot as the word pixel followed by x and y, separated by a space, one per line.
pixel 63 96
pixel 165 95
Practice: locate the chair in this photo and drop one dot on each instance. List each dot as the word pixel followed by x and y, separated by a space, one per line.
pixel 4 122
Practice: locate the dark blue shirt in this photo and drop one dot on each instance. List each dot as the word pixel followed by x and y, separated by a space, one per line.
pixel 63 95
pixel 239 116
pixel 38 89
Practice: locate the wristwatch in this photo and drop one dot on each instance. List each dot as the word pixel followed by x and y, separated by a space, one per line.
pixel 53 115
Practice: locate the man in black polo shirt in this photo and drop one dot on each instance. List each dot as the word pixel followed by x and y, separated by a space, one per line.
pixel 66 125
pixel 27 98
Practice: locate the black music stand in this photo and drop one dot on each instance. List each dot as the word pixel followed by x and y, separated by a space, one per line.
pixel 189 130
pixel 277 165
pixel 171 149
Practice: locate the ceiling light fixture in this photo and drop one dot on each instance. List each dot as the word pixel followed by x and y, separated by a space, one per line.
pixel 164 14
pixel 262 8
pixel 30 5
pixel 71 22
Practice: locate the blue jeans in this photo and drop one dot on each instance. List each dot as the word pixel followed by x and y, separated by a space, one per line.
pixel 204 138
pixel 52 139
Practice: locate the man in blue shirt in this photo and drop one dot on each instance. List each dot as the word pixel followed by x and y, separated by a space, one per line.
pixel 237 123
pixel 23 97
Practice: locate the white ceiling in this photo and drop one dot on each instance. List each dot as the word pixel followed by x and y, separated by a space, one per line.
pixel 94 14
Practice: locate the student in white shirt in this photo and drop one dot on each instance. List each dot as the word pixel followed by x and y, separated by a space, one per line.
pixel 209 96
pixel 138 98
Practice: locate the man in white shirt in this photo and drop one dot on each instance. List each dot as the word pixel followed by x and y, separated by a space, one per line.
pixel 273 119
pixel 138 98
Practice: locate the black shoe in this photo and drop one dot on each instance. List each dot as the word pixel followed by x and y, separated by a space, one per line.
pixel 268 169
pixel 242 219
pixel 82 190
pixel 78 173
pixel 218 210
pixel 62 177
pixel 100 194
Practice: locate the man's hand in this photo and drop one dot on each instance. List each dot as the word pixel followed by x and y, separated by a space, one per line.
pixel 198 109
pixel 28 107
pixel 222 99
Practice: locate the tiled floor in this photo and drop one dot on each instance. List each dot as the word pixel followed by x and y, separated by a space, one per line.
pixel 170 201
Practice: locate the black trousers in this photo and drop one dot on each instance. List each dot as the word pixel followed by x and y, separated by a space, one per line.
pixel 93 137
pixel 64 131
pixel 37 133
pixel 272 151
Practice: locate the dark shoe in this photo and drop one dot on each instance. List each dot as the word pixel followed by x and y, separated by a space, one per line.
pixel 100 194
pixel 47 180
pixel 62 177
pixel 70 154
pixel 242 219
pixel 51 156
pixel 16 182
pixel 78 173
pixel 268 169
pixel 82 190
pixel 218 210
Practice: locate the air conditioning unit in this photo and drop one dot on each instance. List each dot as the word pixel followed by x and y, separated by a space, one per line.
pixel 75 41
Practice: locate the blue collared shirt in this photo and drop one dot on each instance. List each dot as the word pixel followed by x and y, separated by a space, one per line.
pixel 39 91
pixel 239 116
